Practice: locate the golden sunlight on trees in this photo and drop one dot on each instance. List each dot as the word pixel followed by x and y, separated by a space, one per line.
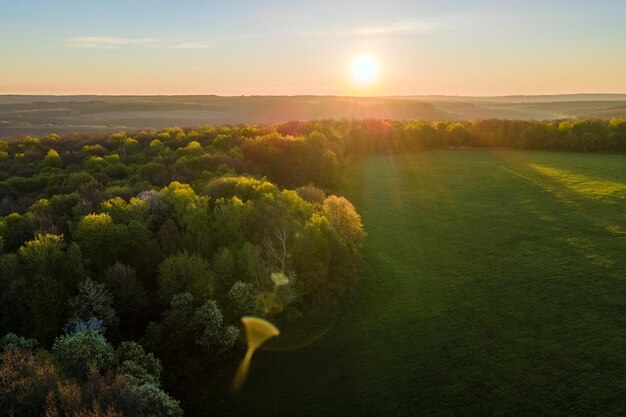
pixel 344 218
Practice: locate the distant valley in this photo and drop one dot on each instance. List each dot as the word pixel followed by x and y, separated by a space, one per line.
pixel 41 115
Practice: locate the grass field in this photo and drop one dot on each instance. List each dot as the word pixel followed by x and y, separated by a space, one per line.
pixel 495 284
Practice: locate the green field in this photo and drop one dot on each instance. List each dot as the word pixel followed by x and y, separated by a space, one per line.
pixel 494 284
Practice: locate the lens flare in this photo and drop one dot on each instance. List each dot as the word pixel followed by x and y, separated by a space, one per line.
pixel 258 331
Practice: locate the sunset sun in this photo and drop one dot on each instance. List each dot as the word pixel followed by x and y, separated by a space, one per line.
pixel 364 70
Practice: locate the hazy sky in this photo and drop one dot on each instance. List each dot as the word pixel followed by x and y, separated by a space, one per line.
pixel 233 47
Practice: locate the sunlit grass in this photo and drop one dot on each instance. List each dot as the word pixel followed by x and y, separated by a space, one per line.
pixel 587 186
pixel 588 249
pixel 489 288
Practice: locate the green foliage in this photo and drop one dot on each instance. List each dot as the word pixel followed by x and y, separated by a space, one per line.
pixel 343 217
pixel 43 255
pixel 15 230
pixel 313 252
pixel 11 340
pixel 97 150
pixel 223 264
pixel 123 212
pixel 155 172
pixel 47 309
pixel 79 181
pixel 311 194
pixel 190 335
pixel 103 241
pixel 145 400
pixel 250 264
pixel 130 299
pixel 162 256
pixel 230 217
pixel 98 238
pixel 94 300
pixel 117 170
pixel 211 334
pixel 52 159
pixel 79 352
pixel 29 143
pixel 243 299
pixel 192 214
pixel 136 362
pixel 36 283
pixel 185 272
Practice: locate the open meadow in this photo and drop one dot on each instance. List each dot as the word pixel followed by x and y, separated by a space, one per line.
pixel 493 285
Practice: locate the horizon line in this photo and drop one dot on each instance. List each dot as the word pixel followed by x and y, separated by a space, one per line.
pixel 312 95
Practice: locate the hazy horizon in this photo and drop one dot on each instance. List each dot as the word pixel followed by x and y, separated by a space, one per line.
pixel 595 95
pixel 452 48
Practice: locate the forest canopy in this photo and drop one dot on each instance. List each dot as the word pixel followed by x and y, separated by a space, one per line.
pixel 126 261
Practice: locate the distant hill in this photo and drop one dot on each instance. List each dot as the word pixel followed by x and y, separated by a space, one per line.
pixel 40 115
pixel 525 98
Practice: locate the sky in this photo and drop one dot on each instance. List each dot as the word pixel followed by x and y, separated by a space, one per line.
pixel 291 47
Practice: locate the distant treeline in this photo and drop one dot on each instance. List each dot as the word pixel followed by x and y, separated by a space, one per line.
pixel 290 154
pixel 566 135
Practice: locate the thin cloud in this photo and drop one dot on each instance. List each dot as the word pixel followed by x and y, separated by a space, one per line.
pixel 191 45
pixel 106 42
pixel 404 27
pixel 114 42
pixel 401 27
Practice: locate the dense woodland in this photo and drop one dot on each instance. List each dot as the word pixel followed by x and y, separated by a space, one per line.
pixel 126 260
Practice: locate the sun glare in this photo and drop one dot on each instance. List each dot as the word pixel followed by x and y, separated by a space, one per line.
pixel 364 70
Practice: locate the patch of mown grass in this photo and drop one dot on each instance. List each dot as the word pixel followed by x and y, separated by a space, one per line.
pixel 491 287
